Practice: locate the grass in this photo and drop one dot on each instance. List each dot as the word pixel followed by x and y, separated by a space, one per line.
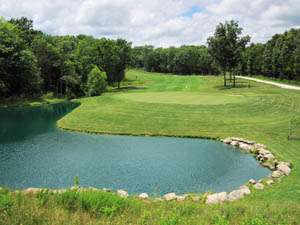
pixel 186 106
pixel 21 102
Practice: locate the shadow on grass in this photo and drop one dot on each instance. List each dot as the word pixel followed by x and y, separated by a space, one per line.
pixel 237 86
pixel 127 88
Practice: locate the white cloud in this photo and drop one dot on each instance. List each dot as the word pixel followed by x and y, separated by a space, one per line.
pixel 154 21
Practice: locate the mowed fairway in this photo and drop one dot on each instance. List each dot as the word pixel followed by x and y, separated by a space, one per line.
pixel 198 106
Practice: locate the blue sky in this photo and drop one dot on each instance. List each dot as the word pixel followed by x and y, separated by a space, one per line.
pixel 156 22
pixel 191 11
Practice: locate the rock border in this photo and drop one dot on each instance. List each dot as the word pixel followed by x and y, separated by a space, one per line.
pixel 279 170
pixel 266 159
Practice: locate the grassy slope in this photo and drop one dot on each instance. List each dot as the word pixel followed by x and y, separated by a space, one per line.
pixel 261 113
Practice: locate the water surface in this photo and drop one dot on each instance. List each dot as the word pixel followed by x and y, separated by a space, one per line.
pixel 34 153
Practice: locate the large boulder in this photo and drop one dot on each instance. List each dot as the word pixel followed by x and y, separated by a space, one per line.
pixel 259 186
pixel 216 198
pixel 122 193
pixel 32 191
pixel 270 182
pixel 252 181
pixel 58 191
pixel 238 194
pixel 276 174
pixel 234 143
pixel 170 197
pixel 245 146
pixel 143 196
pixel 106 190
pixel 181 198
pixel 286 170
pixel 227 141
pixel 285 163
pixel 263 152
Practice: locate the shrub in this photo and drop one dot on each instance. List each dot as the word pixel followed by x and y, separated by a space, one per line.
pixel 96 83
pixel 102 203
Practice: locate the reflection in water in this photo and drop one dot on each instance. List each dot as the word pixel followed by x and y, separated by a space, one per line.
pixel 18 123
pixel 33 153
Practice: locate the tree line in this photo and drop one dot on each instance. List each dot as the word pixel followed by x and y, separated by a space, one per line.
pixel 183 60
pixel 33 63
pixel 278 58
pixel 226 51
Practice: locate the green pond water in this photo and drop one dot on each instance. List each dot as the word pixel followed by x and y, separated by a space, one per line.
pixel 34 153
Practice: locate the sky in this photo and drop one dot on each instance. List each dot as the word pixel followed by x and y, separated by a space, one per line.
pixel 156 22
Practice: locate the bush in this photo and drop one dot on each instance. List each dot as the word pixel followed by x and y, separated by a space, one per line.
pixel 96 83
pixel 102 203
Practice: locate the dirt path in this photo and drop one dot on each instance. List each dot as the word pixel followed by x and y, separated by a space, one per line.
pixel 284 86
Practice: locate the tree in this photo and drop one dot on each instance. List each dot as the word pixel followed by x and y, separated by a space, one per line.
pixel 19 72
pixel 48 61
pixel 252 60
pixel 25 26
pixel 113 57
pixel 96 83
pixel 226 47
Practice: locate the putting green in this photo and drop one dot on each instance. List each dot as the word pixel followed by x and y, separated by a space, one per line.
pixel 186 98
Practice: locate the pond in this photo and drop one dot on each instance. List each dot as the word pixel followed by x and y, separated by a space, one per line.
pixel 34 153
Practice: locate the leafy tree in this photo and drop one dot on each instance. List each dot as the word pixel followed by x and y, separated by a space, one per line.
pixel 184 60
pixel 252 60
pixel 113 58
pixel 25 26
pixel 48 61
pixel 227 45
pixel 19 72
pixel 96 83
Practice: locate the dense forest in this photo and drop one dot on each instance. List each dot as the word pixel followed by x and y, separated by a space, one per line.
pixel 33 63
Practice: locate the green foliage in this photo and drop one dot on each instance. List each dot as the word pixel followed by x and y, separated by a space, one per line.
pixel 18 65
pixel 102 203
pixel 227 45
pixel 220 220
pixel 114 56
pixel 69 200
pixel 43 197
pixel 184 60
pixel 96 202
pixel 278 58
pixel 170 220
pixel 255 221
pixel 33 63
pixel 96 83
pixel 6 202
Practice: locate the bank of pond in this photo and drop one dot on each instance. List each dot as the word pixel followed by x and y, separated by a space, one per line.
pixel 35 153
